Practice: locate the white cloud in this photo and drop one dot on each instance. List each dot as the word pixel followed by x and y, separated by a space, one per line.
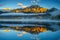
pixel 20 4
pixel 35 0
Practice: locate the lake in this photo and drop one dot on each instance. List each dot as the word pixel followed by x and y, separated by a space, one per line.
pixel 12 34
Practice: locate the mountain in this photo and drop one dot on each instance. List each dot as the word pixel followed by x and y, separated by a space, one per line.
pixel 52 9
pixel 31 9
pixel 34 6
pixel 4 11
pixel 55 14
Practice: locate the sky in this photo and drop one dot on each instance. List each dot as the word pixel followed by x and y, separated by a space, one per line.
pixel 43 3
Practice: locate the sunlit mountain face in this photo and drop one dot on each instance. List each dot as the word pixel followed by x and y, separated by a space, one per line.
pixel 29 19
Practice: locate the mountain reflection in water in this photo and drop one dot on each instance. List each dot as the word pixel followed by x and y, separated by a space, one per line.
pixel 37 30
pixel 33 29
pixel 28 32
pixel 24 33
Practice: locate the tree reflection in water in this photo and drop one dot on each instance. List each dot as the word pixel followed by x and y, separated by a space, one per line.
pixel 34 30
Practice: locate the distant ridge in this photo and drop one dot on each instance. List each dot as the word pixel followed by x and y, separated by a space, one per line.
pixel 27 9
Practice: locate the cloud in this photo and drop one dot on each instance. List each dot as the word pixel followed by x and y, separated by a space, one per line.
pixel 35 0
pixel 20 4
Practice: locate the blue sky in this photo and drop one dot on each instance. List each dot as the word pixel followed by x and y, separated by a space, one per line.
pixel 43 3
